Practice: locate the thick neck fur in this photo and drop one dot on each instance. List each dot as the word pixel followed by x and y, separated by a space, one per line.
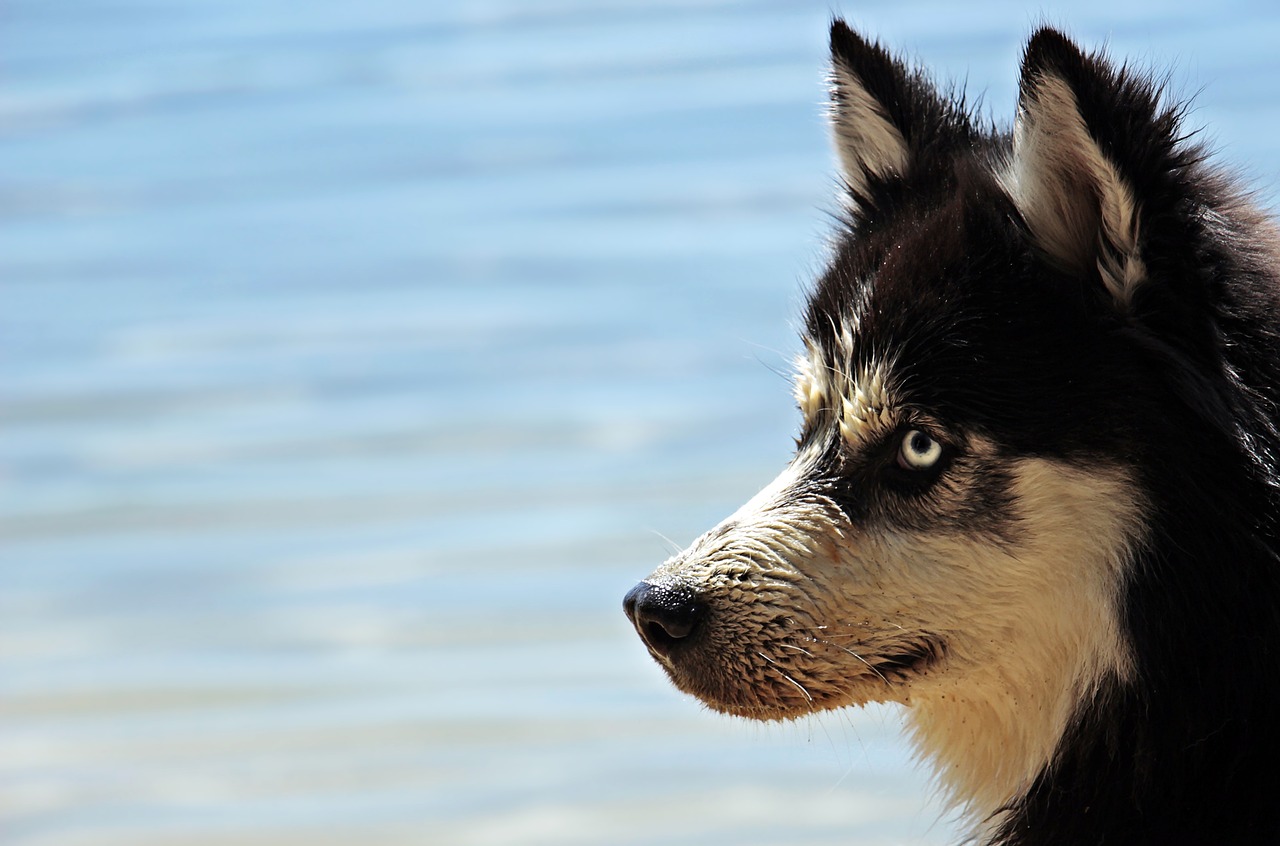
pixel 992 729
pixel 1185 751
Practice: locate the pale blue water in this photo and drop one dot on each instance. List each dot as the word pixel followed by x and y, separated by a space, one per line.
pixel 353 357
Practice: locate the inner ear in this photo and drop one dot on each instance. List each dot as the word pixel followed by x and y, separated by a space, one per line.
pixel 1075 200
pixel 890 122
pixel 870 144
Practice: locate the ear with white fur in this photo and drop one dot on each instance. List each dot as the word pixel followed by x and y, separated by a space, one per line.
pixel 884 117
pixel 1085 138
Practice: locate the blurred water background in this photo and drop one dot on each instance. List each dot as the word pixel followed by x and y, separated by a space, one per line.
pixel 356 358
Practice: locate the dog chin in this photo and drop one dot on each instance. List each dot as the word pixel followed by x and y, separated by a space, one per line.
pixel 775 695
pixel 766 706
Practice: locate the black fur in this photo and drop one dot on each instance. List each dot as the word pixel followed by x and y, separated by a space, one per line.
pixel 1180 384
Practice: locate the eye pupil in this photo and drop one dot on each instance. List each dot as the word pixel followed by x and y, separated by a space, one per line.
pixel 920 443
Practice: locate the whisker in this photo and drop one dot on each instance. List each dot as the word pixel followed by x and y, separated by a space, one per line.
pixel 672 545
pixel 868 664
pixel 849 651
pixel 777 371
pixel 782 673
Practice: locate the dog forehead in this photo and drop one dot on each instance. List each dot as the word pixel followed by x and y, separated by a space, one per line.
pixel 911 266
pixel 877 329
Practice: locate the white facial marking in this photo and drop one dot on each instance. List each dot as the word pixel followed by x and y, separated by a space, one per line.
pixel 810 390
pixel 866 407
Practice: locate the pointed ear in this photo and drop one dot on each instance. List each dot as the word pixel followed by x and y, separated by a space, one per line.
pixel 869 143
pixel 1085 138
pixel 883 115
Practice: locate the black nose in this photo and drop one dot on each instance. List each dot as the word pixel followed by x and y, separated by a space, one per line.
pixel 665 615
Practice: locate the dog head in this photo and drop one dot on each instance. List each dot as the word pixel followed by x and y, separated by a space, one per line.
pixel 956 528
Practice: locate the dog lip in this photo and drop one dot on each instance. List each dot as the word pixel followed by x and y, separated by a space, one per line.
pixel 913 659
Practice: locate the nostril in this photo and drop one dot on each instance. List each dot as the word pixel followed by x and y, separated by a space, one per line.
pixel 663 614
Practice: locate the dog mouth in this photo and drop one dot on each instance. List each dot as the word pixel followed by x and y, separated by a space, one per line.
pixel 883 675
pixel 782 684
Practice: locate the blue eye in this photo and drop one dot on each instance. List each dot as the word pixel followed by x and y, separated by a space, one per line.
pixel 918 451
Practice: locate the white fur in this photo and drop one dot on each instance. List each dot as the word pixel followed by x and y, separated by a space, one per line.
pixel 811 387
pixel 866 407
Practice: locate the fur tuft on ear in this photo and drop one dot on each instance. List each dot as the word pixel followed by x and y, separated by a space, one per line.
pixel 1074 189
pixel 865 79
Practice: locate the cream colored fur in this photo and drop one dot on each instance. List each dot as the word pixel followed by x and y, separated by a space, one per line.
pixel 1072 197
pixel 866 140
pixel 1048 611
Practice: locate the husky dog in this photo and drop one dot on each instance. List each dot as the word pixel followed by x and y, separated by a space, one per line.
pixel 1035 495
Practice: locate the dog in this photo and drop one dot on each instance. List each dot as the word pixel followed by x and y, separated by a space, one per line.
pixel 1035 496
